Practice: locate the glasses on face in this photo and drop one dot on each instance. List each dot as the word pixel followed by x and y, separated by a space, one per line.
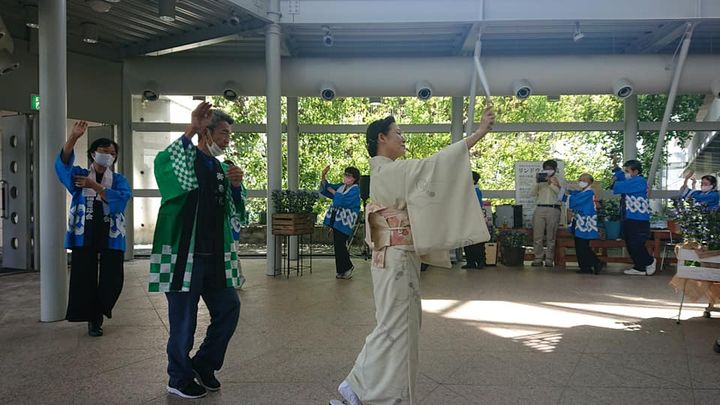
pixel 347 175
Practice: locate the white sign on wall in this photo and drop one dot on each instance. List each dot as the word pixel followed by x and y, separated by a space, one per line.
pixel 525 174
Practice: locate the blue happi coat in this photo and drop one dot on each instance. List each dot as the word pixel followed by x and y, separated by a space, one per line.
pixel 709 198
pixel 117 199
pixel 345 208
pixel 634 195
pixel 585 221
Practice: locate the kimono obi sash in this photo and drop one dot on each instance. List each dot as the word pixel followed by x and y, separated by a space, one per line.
pixel 386 227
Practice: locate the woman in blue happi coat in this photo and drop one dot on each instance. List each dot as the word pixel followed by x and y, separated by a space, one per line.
pixel 342 215
pixel 96 229
pixel 582 202
pixel 707 195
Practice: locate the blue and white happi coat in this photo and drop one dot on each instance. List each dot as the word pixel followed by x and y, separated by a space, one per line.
pixel 710 199
pixel 634 192
pixel 585 220
pixel 345 208
pixel 81 207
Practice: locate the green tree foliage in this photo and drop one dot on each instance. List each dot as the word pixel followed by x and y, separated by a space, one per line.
pixel 493 158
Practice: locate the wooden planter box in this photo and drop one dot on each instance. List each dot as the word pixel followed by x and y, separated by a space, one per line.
pixel 708 270
pixel 293 224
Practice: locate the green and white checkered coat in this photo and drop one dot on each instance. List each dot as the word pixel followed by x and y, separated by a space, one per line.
pixel 176 178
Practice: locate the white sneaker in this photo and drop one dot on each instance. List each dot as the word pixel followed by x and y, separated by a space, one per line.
pixel 350 397
pixel 633 272
pixel 650 270
pixel 336 402
pixel 348 274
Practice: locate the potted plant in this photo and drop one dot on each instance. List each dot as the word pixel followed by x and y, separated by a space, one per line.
pixel 294 213
pixel 609 217
pixel 699 255
pixel 512 242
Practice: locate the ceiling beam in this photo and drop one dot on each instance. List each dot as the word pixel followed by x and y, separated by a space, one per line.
pixel 256 8
pixel 419 11
pixel 658 39
pixel 190 40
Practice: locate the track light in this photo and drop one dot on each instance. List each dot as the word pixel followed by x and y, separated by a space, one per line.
pixel 423 90
pixel 90 34
pixel 166 10
pixel 99 6
pixel 522 89
pixel 328 38
pixel 31 16
pixel 623 88
pixel 151 92
pixel 577 34
pixel 7 63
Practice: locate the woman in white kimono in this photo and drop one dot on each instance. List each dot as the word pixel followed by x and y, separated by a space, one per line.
pixel 420 210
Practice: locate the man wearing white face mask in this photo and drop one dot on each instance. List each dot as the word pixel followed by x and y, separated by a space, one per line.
pixel 96 229
pixel 194 252
pixel 547 214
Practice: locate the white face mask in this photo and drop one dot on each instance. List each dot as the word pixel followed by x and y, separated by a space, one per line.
pixel 583 184
pixel 628 175
pixel 706 188
pixel 103 159
pixel 214 149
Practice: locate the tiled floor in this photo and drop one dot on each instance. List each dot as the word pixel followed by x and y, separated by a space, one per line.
pixel 496 336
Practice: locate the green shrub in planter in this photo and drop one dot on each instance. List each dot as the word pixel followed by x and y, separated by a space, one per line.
pixel 513 246
pixel 294 202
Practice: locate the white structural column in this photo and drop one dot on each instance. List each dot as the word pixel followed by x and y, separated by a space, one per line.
pixel 456 119
pixel 274 123
pixel 670 103
pixel 631 128
pixel 126 164
pixel 53 91
pixel 293 163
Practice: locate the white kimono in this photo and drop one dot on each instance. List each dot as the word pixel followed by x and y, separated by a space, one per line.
pixel 443 212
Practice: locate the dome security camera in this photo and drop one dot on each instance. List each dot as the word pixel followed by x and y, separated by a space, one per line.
pixel 151 92
pixel 623 88
pixel 423 91
pixel 715 88
pixel 522 89
pixel 234 20
pixel 230 91
pixel 327 91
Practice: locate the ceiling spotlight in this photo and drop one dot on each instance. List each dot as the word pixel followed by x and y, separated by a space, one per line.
pixel 113 1
pixel 375 101
pixel 166 10
pixel 577 34
pixel 99 6
pixel 328 38
pixel 31 16
pixel 90 33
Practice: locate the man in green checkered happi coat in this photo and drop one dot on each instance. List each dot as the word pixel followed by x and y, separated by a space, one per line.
pixel 193 252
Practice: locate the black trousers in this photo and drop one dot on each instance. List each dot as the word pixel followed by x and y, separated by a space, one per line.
pixel 585 256
pixel 475 254
pixel 342 256
pixel 94 293
pixel 636 234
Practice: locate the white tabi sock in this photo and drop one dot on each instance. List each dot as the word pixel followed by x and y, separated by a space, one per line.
pixel 347 393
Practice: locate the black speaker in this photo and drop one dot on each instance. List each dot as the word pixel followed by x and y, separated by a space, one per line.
pixel 364 187
pixel 517 216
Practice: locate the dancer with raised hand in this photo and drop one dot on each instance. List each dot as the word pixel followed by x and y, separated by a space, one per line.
pixel 419 211
pixel 193 251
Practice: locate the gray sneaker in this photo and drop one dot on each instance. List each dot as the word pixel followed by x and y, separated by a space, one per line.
pixel 549 263
pixel 348 274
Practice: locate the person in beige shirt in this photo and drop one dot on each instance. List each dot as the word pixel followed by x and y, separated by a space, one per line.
pixel 547 214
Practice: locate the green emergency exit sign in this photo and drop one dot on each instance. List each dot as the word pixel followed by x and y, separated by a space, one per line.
pixel 35 102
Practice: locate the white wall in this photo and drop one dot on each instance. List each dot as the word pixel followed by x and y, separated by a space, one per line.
pixel 94 86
